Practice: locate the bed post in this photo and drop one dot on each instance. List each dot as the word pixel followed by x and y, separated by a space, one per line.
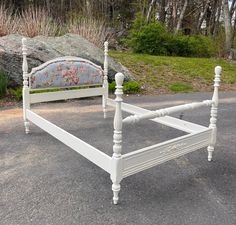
pixel 214 108
pixel 25 91
pixel 116 170
pixel 105 82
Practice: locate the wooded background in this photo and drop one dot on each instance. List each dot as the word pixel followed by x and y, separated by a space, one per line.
pixel 213 18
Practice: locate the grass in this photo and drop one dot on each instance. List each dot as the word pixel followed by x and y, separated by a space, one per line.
pixel 164 74
pixel 181 87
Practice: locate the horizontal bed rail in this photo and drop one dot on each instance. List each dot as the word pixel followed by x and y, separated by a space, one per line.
pixel 167 111
pixel 150 156
pixel 91 153
pixel 69 94
pixel 166 120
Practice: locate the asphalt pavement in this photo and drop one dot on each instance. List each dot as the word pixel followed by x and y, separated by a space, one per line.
pixel 42 181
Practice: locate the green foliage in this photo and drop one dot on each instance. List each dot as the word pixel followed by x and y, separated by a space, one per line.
pixel 153 38
pixel 16 92
pixel 3 84
pixel 112 86
pixel 130 87
pixel 150 38
pixel 181 87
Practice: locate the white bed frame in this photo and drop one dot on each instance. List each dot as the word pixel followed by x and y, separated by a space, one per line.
pixel 121 165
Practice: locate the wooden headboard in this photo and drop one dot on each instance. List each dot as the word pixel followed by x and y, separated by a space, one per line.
pixel 65 71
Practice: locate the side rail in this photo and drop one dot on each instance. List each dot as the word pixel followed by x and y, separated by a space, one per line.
pixel 166 111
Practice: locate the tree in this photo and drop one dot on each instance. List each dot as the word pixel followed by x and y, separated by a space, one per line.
pixel 228 28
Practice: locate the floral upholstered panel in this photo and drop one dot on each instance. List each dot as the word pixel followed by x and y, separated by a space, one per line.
pixel 66 73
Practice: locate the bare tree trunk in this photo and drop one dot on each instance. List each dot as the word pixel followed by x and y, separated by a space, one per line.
pixel 181 17
pixel 162 13
pixel 202 16
pixel 228 28
pixel 218 14
pixel 150 10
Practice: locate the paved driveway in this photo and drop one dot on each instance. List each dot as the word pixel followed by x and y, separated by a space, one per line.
pixel 42 181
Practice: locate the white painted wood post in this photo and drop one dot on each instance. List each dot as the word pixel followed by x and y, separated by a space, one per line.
pixel 116 171
pixel 105 80
pixel 214 108
pixel 25 91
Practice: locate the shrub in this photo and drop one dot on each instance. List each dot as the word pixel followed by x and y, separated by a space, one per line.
pixel 132 87
pixel 3 84
pixel 8 21
pixel 129 87
pixel 179 46
pixel 91 29
pixel 200 46
pixel 37 21
pixel 16 92
pixel 152 38
pixel 112 86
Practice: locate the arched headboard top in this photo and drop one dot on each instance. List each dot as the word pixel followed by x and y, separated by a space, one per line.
pixel 66 71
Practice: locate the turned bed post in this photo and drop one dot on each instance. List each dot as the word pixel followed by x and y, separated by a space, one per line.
pixel 214 109
pixel 25 91
pixel 105 80
pixel 116 170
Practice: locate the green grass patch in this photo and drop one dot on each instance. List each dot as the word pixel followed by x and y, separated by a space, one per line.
pixel 163 72
pixel 181 87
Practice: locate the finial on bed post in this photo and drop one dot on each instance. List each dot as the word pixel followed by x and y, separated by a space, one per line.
pixel 214 109
pixel 116 172
pixel 25 91
pixel 105 79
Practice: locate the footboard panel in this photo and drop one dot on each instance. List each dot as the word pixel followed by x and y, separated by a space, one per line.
pixel 148 157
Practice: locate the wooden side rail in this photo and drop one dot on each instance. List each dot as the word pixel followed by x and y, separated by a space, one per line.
pixel 91 153
pixel 173 122
pixel 166 111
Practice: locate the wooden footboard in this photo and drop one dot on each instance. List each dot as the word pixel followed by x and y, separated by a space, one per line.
pixel 148 157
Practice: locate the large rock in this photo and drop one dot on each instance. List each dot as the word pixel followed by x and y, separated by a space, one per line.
pixel 42 49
